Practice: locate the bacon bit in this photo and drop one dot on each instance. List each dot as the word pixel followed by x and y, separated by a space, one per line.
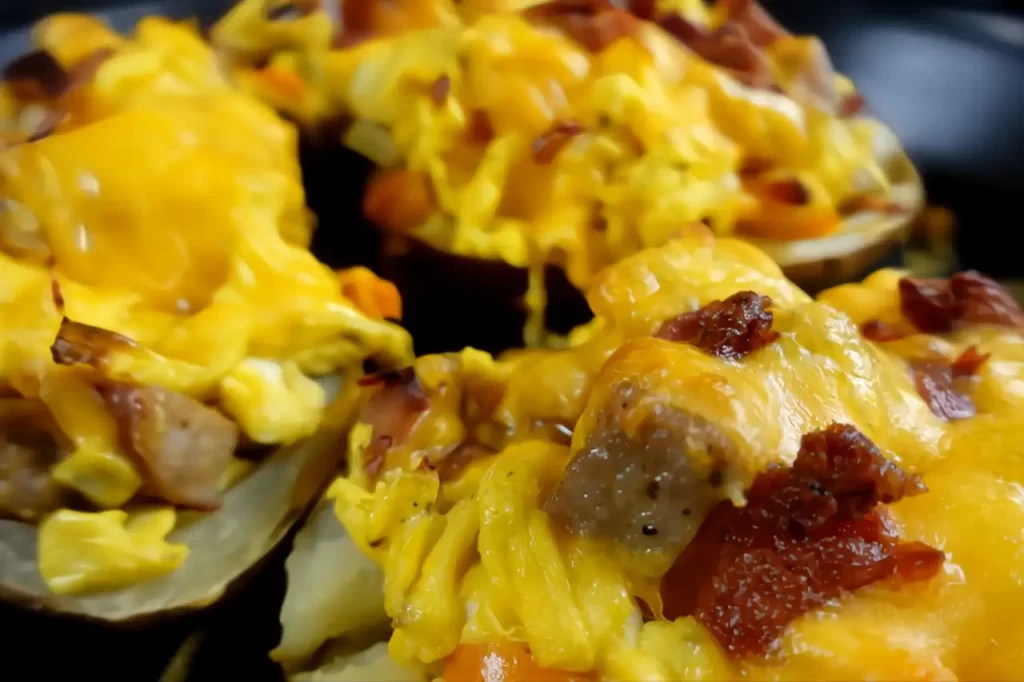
pixel 479 127
pixel 643 9
pixel 357 22
pixel 928 304
pixel 37 75
pixel 440 89
pixel 935 383
pixel 762 28
pixel 732 328
pixel 393 412
pixel 876 330
pixel 376 298
pixel 941 384
pixel 398 199
pixel 790 191
pixel 755 166
pixel 594 24
pixel 807 535
pixel 852 104
pixel 547 146
pixel 728 46
pixel 56 293
pixel 916 561
pixel 83 344
pixel 937 306
pixel 982 300
pixel 969 363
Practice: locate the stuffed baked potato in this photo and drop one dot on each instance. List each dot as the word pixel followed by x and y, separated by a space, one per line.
pixel 168 345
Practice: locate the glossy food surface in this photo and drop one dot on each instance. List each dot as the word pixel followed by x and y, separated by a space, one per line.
pixel 161 309
pixel 858 532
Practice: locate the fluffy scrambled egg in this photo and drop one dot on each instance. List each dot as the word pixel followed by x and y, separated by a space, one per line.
pixel 481 582
pixel 500 133
pixel 160 213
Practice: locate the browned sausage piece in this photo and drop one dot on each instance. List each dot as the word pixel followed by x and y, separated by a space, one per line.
pixel 182 446
pixel 641 490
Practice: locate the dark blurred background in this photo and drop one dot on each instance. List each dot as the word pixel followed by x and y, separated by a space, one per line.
pixel 947 75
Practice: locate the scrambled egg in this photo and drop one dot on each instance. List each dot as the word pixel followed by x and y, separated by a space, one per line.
pixel 463 96
pixel 476 574
pixel 166 207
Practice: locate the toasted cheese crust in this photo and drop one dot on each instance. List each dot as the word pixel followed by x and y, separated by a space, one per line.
pixel 540 540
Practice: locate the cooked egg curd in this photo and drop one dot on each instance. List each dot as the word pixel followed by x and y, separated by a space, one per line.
pixel 507 531
pixel 572 134
pixel 153 224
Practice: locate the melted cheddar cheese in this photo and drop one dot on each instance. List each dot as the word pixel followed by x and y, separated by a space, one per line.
pixel 518 143
pixel 474 558
pixel 166 207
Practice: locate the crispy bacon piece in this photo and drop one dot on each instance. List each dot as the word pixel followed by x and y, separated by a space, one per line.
pixel 935 383
pixel 56 293
pixel 876 330
pixel 393 411
pixel 552 141
pixel 981 300
pixel 928 304
pixel 937 306
pixel 643 9
pixel 594 24
pixel 969 363
pixel 739 46
pixel 728 46
pixel 808 534
pixel 732 328
pixel 941 384
pixel 357 22
pixel 83 344
pixel 182 446
pixel 755 20
pixel 37 75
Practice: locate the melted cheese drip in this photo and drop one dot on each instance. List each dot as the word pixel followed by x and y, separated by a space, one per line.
pixel 476 559
pixel 171 210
